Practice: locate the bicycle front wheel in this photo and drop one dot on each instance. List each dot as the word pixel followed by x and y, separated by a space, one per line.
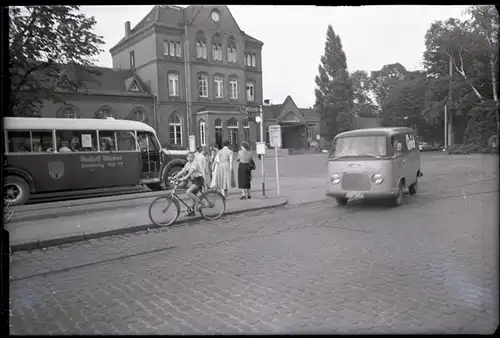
pixel 213 205
pixel 164 211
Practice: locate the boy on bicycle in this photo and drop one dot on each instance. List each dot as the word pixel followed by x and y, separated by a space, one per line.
pixel 194 172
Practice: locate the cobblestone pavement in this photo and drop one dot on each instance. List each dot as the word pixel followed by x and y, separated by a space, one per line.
pixel 429 266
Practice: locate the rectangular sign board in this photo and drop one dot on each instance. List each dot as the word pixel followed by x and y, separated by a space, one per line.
pixel 252 109
pixel 192 143
pixel 275 136
pixel 261 148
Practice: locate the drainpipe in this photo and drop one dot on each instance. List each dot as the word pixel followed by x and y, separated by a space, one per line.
pixel 187 76
pixel 155 112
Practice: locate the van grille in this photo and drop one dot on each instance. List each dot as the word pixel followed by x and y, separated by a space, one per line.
pixel 355 182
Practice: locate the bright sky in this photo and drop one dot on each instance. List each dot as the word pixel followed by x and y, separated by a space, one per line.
pixel 294 38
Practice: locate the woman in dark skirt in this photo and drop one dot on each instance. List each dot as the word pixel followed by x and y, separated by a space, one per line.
pixel 245 167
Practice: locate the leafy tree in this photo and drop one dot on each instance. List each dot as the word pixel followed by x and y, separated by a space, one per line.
pixel 485 23
pixel 44 41
pixel 362 85
pixel 467 45
pixel 405 101
pixel 385 79
pixel 334 94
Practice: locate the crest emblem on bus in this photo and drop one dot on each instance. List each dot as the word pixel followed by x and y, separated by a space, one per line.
pixel 56 170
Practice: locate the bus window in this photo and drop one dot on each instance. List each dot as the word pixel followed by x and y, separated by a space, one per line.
pixel 77 140
pixel 107 140
pixel 147 141
pixel 42 141
pixel 125 141
pixel 19 141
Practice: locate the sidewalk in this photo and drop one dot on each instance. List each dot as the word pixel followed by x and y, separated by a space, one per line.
pixel 124 217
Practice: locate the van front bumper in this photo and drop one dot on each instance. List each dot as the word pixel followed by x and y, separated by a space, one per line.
pixel 362 194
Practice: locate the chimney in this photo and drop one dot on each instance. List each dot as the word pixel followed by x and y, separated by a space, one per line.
pixel 127 28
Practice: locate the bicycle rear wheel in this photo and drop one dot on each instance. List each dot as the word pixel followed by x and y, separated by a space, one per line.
pixel 164 211
pixel 213 205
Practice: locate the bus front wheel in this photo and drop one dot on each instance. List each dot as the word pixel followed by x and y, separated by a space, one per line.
pixel 154 186
pixel 16 190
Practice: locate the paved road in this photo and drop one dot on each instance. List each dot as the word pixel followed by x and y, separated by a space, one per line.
pixel 429 266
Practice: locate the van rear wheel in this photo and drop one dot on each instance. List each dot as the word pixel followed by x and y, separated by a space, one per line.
pixel 16 191
pixel 414 187
pixel 341 201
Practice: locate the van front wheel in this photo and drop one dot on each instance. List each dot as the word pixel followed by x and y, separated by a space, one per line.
pixel 398 199
pixel 341 201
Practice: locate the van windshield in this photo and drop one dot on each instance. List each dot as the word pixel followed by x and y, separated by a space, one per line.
pixel 374 146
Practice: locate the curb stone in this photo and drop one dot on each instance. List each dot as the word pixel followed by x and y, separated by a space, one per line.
pixel 85 208
pixel 84 237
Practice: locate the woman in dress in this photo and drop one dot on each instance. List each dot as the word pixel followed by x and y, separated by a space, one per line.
pixel 245 170
pixel 223 169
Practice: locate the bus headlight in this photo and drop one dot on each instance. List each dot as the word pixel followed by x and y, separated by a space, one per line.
pixel 377 179
pixel 335 179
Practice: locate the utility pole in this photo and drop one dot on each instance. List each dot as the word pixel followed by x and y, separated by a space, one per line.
pixel 450 118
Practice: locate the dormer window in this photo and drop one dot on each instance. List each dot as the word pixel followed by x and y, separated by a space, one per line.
pixel 132 59
pixel 134 87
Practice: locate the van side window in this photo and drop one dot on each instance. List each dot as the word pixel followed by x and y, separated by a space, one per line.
pixel 410 142
pixel 107 140
pixel 125 140
pixel 76 140
pixel 19 141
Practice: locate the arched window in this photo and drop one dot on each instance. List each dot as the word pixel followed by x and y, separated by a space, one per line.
pixel 216 47
pixel 291 117
pixel 201 45
pixel 103 112
pixel 175 125
pixel 68 112
pixel 232 126
pixel 218 132
pixel 246 129
pixel 138 115
pixel 203 133
pixel 231 50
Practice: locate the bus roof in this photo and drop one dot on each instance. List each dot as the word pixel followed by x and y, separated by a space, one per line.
pixel 46 123
pixel 375 132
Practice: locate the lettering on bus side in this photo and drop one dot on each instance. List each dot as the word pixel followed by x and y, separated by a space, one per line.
pixel 101 161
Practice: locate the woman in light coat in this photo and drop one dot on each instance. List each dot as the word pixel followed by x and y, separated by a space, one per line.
pixel 223 170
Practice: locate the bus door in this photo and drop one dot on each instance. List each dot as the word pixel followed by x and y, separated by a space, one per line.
pixel 151 156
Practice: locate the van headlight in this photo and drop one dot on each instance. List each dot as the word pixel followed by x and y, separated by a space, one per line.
pixel 335 179
pixel 377 179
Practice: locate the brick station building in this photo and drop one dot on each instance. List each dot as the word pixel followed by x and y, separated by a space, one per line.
pixel 223 65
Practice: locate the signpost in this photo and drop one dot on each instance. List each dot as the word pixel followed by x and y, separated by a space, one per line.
pixel 275 141
pixel 261 146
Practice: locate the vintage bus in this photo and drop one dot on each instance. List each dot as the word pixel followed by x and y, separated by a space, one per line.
pixel 50 155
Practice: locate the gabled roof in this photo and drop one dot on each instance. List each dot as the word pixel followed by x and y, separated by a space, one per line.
pixel 309 114
pixel 175 16
pixel 252 39
pixel 97 79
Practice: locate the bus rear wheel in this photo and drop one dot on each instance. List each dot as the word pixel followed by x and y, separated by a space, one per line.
pixel 16 191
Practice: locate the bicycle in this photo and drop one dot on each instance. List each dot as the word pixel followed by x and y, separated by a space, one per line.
pixel 208 200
